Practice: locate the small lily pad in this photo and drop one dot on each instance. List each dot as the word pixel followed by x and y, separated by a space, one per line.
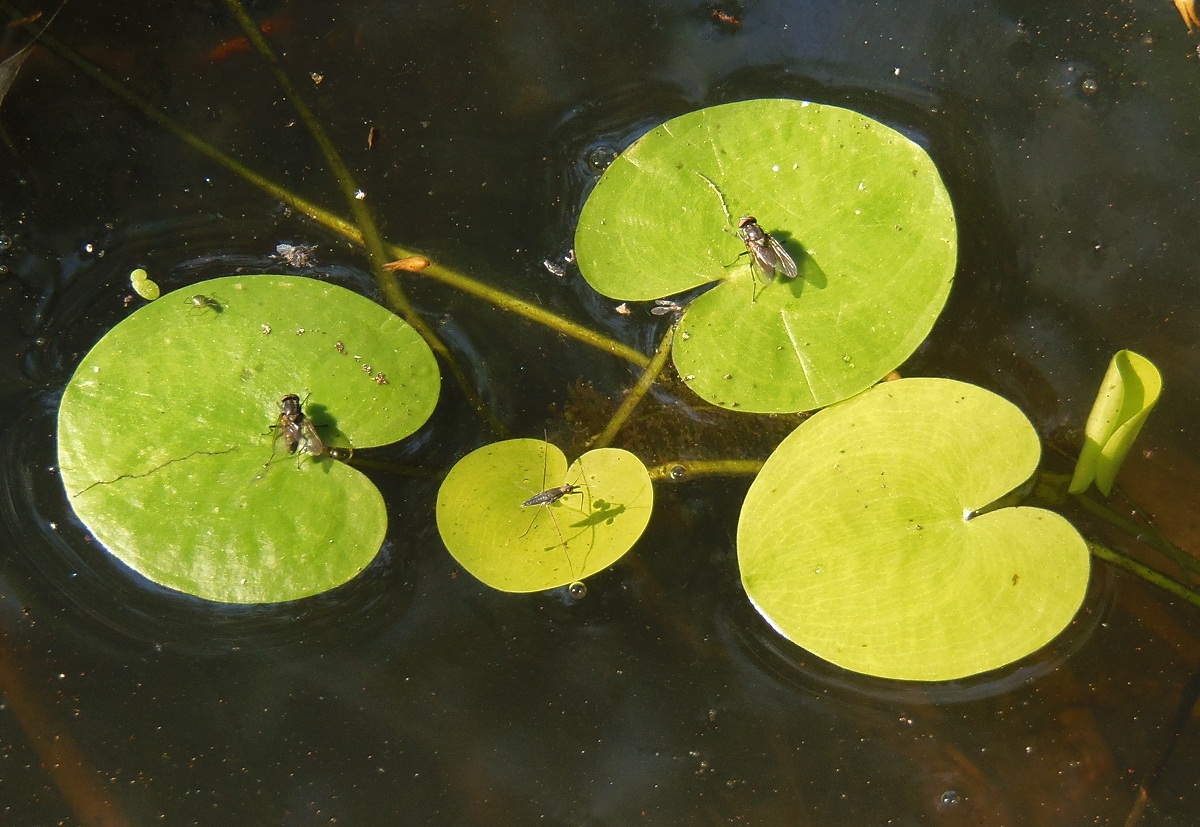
pixel 140 281
pixel 1129 392
pixel 858 540
pixel 514 547
pixel 166 443
pixel 858 206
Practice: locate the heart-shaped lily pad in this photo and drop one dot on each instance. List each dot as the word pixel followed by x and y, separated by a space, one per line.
pixel 1128 393
pixel 857 540
pixel 488 523
pixel 167 447
pixel 858 206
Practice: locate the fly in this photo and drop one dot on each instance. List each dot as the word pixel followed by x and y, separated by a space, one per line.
pixel 299 434
pixel 765 250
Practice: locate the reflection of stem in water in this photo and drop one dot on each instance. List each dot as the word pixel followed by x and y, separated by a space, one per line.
pixel 73 775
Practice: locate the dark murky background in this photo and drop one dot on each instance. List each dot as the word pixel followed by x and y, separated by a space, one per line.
pixel 1067 134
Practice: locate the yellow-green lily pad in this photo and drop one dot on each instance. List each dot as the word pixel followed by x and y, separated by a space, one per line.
pixel 488 524
pixel 167 449
pixel 860 207
pixel 860 539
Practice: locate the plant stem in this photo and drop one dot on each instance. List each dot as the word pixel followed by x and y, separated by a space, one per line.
pixel 682 470
pixel 1145 572
pixel 637 392
pixel 372 241
pixel 329 220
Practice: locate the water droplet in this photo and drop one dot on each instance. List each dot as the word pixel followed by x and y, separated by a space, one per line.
pixel 950 798
pixel 577 590
pixel 600 157
pixel 1089 86
pixel 678 472
pixel 5 243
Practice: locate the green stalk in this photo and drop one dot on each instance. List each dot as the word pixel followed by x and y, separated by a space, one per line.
pixel 329 220
pixel 645 381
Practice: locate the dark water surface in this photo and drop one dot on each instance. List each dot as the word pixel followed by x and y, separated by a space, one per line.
pixel 1068 136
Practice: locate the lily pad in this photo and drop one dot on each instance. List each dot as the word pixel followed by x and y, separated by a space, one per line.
pixel 1129 392
pixel 861 538
pixel 860 207
pixel 486 525
pixel 166 444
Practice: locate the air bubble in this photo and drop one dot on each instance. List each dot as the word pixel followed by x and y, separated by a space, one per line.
pixel 1089 86
pixel 577 590
pixel 600 157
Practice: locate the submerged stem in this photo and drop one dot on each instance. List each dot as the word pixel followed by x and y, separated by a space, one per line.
pixel 637 392
pixel 372 241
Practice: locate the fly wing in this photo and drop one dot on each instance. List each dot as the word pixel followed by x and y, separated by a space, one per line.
pixel 784 263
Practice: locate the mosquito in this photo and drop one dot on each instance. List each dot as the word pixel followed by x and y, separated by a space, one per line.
pixel 547 498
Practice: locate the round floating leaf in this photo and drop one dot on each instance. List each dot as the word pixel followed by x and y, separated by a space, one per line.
pixel 857 540
pixel 1128 393
pixel 166 442
pixel 860 208
pixel 484 522
pixel 139 279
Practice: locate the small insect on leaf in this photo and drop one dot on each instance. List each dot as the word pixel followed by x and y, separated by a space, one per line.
pixel 765 250
pixel 201 303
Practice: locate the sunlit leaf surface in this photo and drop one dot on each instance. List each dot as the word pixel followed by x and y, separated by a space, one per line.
pixel 857 540
pixel 858 206
pixel 166 445
pixel 524 548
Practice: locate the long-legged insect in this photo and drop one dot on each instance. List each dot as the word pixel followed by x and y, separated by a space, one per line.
pixel 546 498
pixel 200 303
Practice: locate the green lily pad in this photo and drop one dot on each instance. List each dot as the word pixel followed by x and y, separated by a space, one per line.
pixel 166 447
pixel 527 548
pixel 857 540
pixel 1129 392
pixel 140 280
pixel 860 208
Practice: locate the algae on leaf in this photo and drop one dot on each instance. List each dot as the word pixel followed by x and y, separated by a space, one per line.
pixel 166 443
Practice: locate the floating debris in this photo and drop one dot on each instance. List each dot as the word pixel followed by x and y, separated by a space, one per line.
pixel 299 256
